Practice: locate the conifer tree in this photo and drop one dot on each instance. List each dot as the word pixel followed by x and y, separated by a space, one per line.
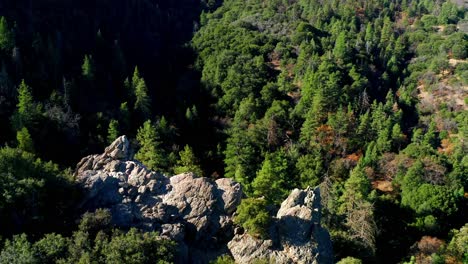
pixel 150 152
pixel 25 142
pixel 6 36
pixel 88 68
pixel 314 118
pixel 310 168
pixel 341 51
pixel 189 115
pixel 397 136
pixel 357 185
pixel 369 37
pixel 27 109
pixel 136 77
pixel 143 102
pixel 139 92
pixel 357 208
pixel 124 117
pixel 128 88
pixel 112 131
pixel 430 138
pixel 25 99
pixel 272 179
pixel 188 162
pixel 242 156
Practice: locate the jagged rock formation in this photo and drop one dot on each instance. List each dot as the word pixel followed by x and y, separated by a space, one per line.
pixel 198 212
pixel 297 236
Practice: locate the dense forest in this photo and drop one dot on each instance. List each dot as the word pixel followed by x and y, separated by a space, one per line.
pixel 366 99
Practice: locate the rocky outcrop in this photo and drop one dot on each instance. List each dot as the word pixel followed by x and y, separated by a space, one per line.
pixel 198 212
pixel 296 235
pixel 191 210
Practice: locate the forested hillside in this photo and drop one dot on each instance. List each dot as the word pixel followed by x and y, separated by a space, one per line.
pixel 366 99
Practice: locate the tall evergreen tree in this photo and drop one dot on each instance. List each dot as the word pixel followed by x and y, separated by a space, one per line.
pixel 188 162
pixel 88 67
pixel 139 92
pixel 272 180
pixel 358 210
pixel 314 118
pixel 136 77
pixel 27 109
pixel 150 152
pixel 124 117
pixel 143 101
pixel 25 142
pixel 341 48
pixel 112 131
pixel 7 40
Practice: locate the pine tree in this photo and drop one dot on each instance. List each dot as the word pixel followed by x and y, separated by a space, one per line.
pixel 431 138
pixel 311 169
pixel 129 89
pixel 163 127
pixel 136 77
pixel 387 33
pixel 315 117
pixel 150 152
pixel 27 109
pixel 112 131
pixel 7 41
pixel 384 140
pixel 369 37
pixel 124 116
pixel 364 130
pixel 242 154
pixel 357 186
pixel 361 223
pixel 88 68
pixel 341 50
pixel 357 208
pixel 398 137
pixel 25 142
pixel 272 179
pixel 189 115
pixel 139 92
pixel 143 102
pixel 188 162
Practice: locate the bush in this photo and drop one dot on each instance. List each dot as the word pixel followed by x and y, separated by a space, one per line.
pixel 349 260
pixel 18 250
pixel 94 222
pixel 138 247
pixel 458 246
pixel 34 195
pixel 224 259
pixel 51 248
pixel 459 51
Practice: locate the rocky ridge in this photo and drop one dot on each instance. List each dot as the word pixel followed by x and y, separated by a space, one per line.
pixel 198 212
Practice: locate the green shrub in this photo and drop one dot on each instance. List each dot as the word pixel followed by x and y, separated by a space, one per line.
pixel 224 259
pixel 350 260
